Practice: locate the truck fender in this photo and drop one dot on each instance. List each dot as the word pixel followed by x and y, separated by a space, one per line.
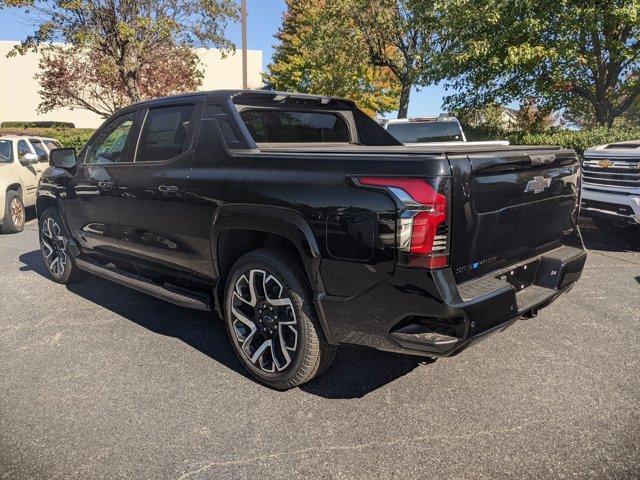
pixel 280 221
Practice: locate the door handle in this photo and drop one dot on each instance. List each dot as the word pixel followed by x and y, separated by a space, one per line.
pixel 105 185
pixel 168 189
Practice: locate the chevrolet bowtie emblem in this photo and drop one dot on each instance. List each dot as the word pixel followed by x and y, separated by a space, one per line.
pixel 605 163
pixel 537 185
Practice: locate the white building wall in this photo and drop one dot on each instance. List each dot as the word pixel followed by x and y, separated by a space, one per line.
pixel 19 97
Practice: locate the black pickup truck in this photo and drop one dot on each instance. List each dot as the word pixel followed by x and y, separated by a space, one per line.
pixel 306 225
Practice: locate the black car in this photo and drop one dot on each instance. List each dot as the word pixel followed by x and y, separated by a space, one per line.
pixel 306 225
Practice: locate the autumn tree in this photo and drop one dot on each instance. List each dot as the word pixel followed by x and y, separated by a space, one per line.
pixel 320 51
pixel 530 117
pixel 115 52
pixel 573 52
pixel 396 34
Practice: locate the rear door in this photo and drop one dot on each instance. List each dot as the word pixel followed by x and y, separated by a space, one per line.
pixel 512 205
pixel 151 190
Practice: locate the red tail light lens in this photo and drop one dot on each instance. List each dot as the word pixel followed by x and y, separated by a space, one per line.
pixel 423 237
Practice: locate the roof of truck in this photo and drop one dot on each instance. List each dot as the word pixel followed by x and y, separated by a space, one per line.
pixel 248 94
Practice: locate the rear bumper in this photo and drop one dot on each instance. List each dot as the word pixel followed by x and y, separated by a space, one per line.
pixel 610 204
pixel 421 314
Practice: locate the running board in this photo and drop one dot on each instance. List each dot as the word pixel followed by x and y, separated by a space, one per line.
pixel 169 294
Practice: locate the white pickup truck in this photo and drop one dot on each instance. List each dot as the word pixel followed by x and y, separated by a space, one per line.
pixel 22 161
pixel 443 130
pixel 611 187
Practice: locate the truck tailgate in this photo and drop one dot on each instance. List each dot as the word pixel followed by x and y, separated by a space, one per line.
pixel 512 205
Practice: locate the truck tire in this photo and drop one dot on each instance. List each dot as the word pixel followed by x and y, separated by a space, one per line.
pixel 54 242
pixel 14 214
pixel 272 323
pixel 613 227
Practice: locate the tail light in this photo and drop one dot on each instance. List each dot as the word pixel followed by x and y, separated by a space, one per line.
pixel 423 240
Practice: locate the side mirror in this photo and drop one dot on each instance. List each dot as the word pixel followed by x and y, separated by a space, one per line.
pixel 29 159
pixel 63 158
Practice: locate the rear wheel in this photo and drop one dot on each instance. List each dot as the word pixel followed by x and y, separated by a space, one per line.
pixel 619 228
pixel 14 215
pixel 54 246
pixel 272 323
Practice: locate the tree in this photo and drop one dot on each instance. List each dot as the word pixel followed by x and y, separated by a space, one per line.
pixel 117 52
pixel 396 34
pixel 531 118
pixel 562 53
pixel 320 51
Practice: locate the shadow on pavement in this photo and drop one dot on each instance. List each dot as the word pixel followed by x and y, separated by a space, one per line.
pixel 356 371
pixel 594 239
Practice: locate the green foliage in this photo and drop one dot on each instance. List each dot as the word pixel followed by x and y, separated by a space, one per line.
pixel 571 54
pixel 321 51
pixel 37 124
pixel 579 140
pixel 68 137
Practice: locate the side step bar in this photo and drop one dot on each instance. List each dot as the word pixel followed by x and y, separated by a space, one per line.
pixel 169 294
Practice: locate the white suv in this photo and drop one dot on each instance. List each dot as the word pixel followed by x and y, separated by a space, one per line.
pixel 611 187
pixel 22 161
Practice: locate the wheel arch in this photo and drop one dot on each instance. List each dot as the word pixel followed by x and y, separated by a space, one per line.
pixel 15 187
pixel 239 229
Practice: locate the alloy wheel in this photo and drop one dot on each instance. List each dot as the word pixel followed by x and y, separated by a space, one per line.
pixel 264 322
pixel 54 247
pixel 16 209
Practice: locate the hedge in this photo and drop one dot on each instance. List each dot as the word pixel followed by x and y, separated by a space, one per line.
pixel 579 140
pixel 68 137
pixel 38 124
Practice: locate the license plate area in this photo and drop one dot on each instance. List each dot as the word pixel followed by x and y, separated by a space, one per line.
pixel 521 276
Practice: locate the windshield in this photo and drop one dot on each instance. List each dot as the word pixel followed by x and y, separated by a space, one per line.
pixel 423 132
pixel 6 155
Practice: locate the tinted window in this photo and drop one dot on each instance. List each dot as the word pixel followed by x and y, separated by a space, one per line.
pixel 164 134
pixel 286 126
pixel 113 143
pixel 37 145
pixel 419 132
pixel 51 144
pixel 23 149
pixel 6 151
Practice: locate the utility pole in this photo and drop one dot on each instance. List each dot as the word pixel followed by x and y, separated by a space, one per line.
pixel 244 45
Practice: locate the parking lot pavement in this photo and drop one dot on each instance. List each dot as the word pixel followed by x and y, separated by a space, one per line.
pixel 98 381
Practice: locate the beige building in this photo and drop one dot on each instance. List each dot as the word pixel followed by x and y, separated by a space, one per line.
pixel 19 97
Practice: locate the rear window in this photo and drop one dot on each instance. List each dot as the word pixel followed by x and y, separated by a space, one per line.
pixel 423 132
pixel 51 144
pixel 164 135
pixel 6 152
pixel 288 126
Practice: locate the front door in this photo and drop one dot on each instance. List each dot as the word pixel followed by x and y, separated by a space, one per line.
pixel 90 201
pixel 30 173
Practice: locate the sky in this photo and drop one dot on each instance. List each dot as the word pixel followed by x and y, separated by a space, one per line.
pixel 264 19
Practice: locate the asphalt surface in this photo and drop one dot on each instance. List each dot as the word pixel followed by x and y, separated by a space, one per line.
pixel 98 381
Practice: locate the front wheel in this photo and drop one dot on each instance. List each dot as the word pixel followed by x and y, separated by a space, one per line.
pixel 14 215
pixel 54 246
pixel 618 228
pixel 272 323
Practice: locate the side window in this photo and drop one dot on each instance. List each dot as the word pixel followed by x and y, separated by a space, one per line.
pixel 6 151
pixel 165 133
pixel 51 144
pixel 37 145
pixel 23 149
pixel 114 143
